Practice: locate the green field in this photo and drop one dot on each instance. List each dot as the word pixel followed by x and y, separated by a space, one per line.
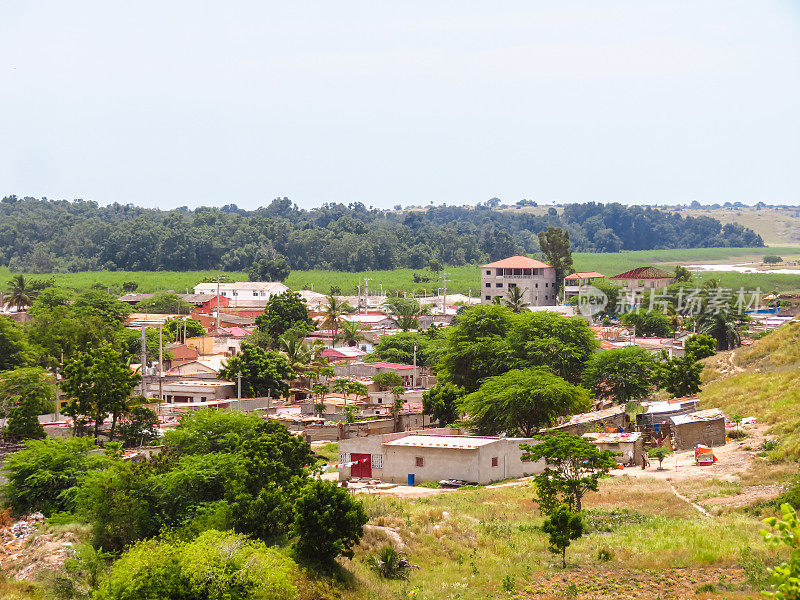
pixel 463 280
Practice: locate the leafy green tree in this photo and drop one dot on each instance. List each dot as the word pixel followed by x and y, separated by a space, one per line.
pixel 785 577
pixel 515 299
pixel 129 287
pixel 357 389
pixel 574 467
pixel 321 391
pixel 772 259
pixel 33 384
pixel 398 392
pixel 282 313
pixel 563 526
pixel 350 413
pixel 140 427
pixel 332 312
pixel 99 384
pixel 557 251
pixel 208 430
pixel 328 522
pixel 648 323
pixel 263 372
pixel 522 401
pixel 173 329
pixel 23 420
pixel 387 380
pixel 683 275
pixel 14 349
pixel 659 453
pixel 218 565
pixel 442 403
pixel 46 473
pixel 621 374
pixel 399 348
pixel 264 269
pixel 680 376
pixel 94 303
pixel 164 303
pixel 700 346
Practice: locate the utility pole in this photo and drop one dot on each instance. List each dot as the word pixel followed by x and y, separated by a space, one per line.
pixel 444 297
pixel 144 363
pixel 359 292
pixel 160 363
pixel 239 386
pixel 184 329
pixel 366 293
pixel 217 305
pixel 414 372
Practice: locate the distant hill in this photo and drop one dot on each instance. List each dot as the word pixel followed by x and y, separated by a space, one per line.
pixel 762 381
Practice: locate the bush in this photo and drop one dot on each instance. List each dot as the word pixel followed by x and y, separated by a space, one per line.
pixel 328 521
pixel 141 428
pixel 45 475
pixel 389 563
pixel 215 565
pixel 737 434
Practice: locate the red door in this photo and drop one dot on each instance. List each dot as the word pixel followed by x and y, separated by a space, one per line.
pixel 361 469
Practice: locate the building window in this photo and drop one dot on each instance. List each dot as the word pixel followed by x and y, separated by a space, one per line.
pixel 202 398
pixel 546 285
pixel 488 297
pixel 526 271
pixel 510 285
pixel 420 461
pixel 495 461
pixel 498 284
pixel 377 461
pixel 537 286
pixel 488 271
pixel 488 284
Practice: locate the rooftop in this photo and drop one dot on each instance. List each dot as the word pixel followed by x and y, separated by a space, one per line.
pixel 388 365
pixel 595 416
pixel 517 262
pixel 239 285
pixel 644 273
pixel 710 414
pixel 345 352
pixel 457 442
pixel 583 275
pixel 613 438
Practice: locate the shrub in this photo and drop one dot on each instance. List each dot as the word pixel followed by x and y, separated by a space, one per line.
pixel 328 521
pixel 389 563
pixel 737 434
pixel 605 554
pixel 507 585
pixel 214 565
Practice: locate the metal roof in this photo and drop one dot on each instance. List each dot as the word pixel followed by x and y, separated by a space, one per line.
pixel 595 416
pixel 585 275
pixel 710 414
pixel 613 438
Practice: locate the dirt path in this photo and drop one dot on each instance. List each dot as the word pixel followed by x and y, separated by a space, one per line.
pixel 697 507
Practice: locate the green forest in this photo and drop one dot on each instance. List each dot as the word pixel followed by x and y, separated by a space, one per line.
pixel 58 236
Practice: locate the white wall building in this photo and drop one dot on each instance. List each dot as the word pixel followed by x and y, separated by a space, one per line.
pixel 247 291
pixel 537 280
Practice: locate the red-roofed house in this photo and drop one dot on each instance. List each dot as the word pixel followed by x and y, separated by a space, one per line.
pixel 343 354
pixel 644 278
pixel 574 283
pixel 537 280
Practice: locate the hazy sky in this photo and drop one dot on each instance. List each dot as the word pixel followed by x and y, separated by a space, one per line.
pixel 200 103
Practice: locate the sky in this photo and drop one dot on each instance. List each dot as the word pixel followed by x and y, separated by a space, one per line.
pixel 165 104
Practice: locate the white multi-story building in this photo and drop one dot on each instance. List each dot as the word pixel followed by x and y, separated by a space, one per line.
pixel 537 280
pixel 243 291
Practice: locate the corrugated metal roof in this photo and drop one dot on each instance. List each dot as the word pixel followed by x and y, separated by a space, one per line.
pixel 613 438
pixel 710 414
pixel 595 416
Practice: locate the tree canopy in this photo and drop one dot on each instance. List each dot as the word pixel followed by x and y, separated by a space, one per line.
pixel 282 313
pixel 263 371
pixel 621 374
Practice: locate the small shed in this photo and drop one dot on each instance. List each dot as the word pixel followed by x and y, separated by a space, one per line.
pixel 706 427
pixel 626 445
pixel 660 412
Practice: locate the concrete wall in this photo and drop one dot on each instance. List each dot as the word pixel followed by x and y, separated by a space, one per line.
pixel 580 428
pixel 539 287
pixel 708 433
pixel 623 448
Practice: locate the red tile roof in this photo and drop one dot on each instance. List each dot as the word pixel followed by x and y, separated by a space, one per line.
pixel 644 273
pixel 388 365
pixel 517 262
pixel 586 275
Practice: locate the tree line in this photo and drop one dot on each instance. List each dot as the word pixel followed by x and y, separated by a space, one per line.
pixel 48 236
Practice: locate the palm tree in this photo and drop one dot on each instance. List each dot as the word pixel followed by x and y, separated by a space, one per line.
pixel 298 355
pixel 515 299
pixel 721 325
pixel 333 311
pixel 351 333
pixel 20 292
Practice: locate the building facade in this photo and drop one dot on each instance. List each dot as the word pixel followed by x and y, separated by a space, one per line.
pixel 536 279
pixel 243 291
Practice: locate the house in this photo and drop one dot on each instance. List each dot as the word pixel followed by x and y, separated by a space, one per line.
pixel 537 280
pixel 656 418
pixel 642 279
pixel 627 446
pixel 149 320
pixel 575 283
pixel 433 455
pixel 206 368
pixel 243 290
pixel 181 353
pixel 599 420
pixel 343 354
pixel 216 343
pixel 202 301
pixel 706 427
pixel 409 373
pixel 197 390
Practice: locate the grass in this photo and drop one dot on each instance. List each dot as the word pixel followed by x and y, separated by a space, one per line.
pixel 330 451
pixel 468 543
pixel 462 280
